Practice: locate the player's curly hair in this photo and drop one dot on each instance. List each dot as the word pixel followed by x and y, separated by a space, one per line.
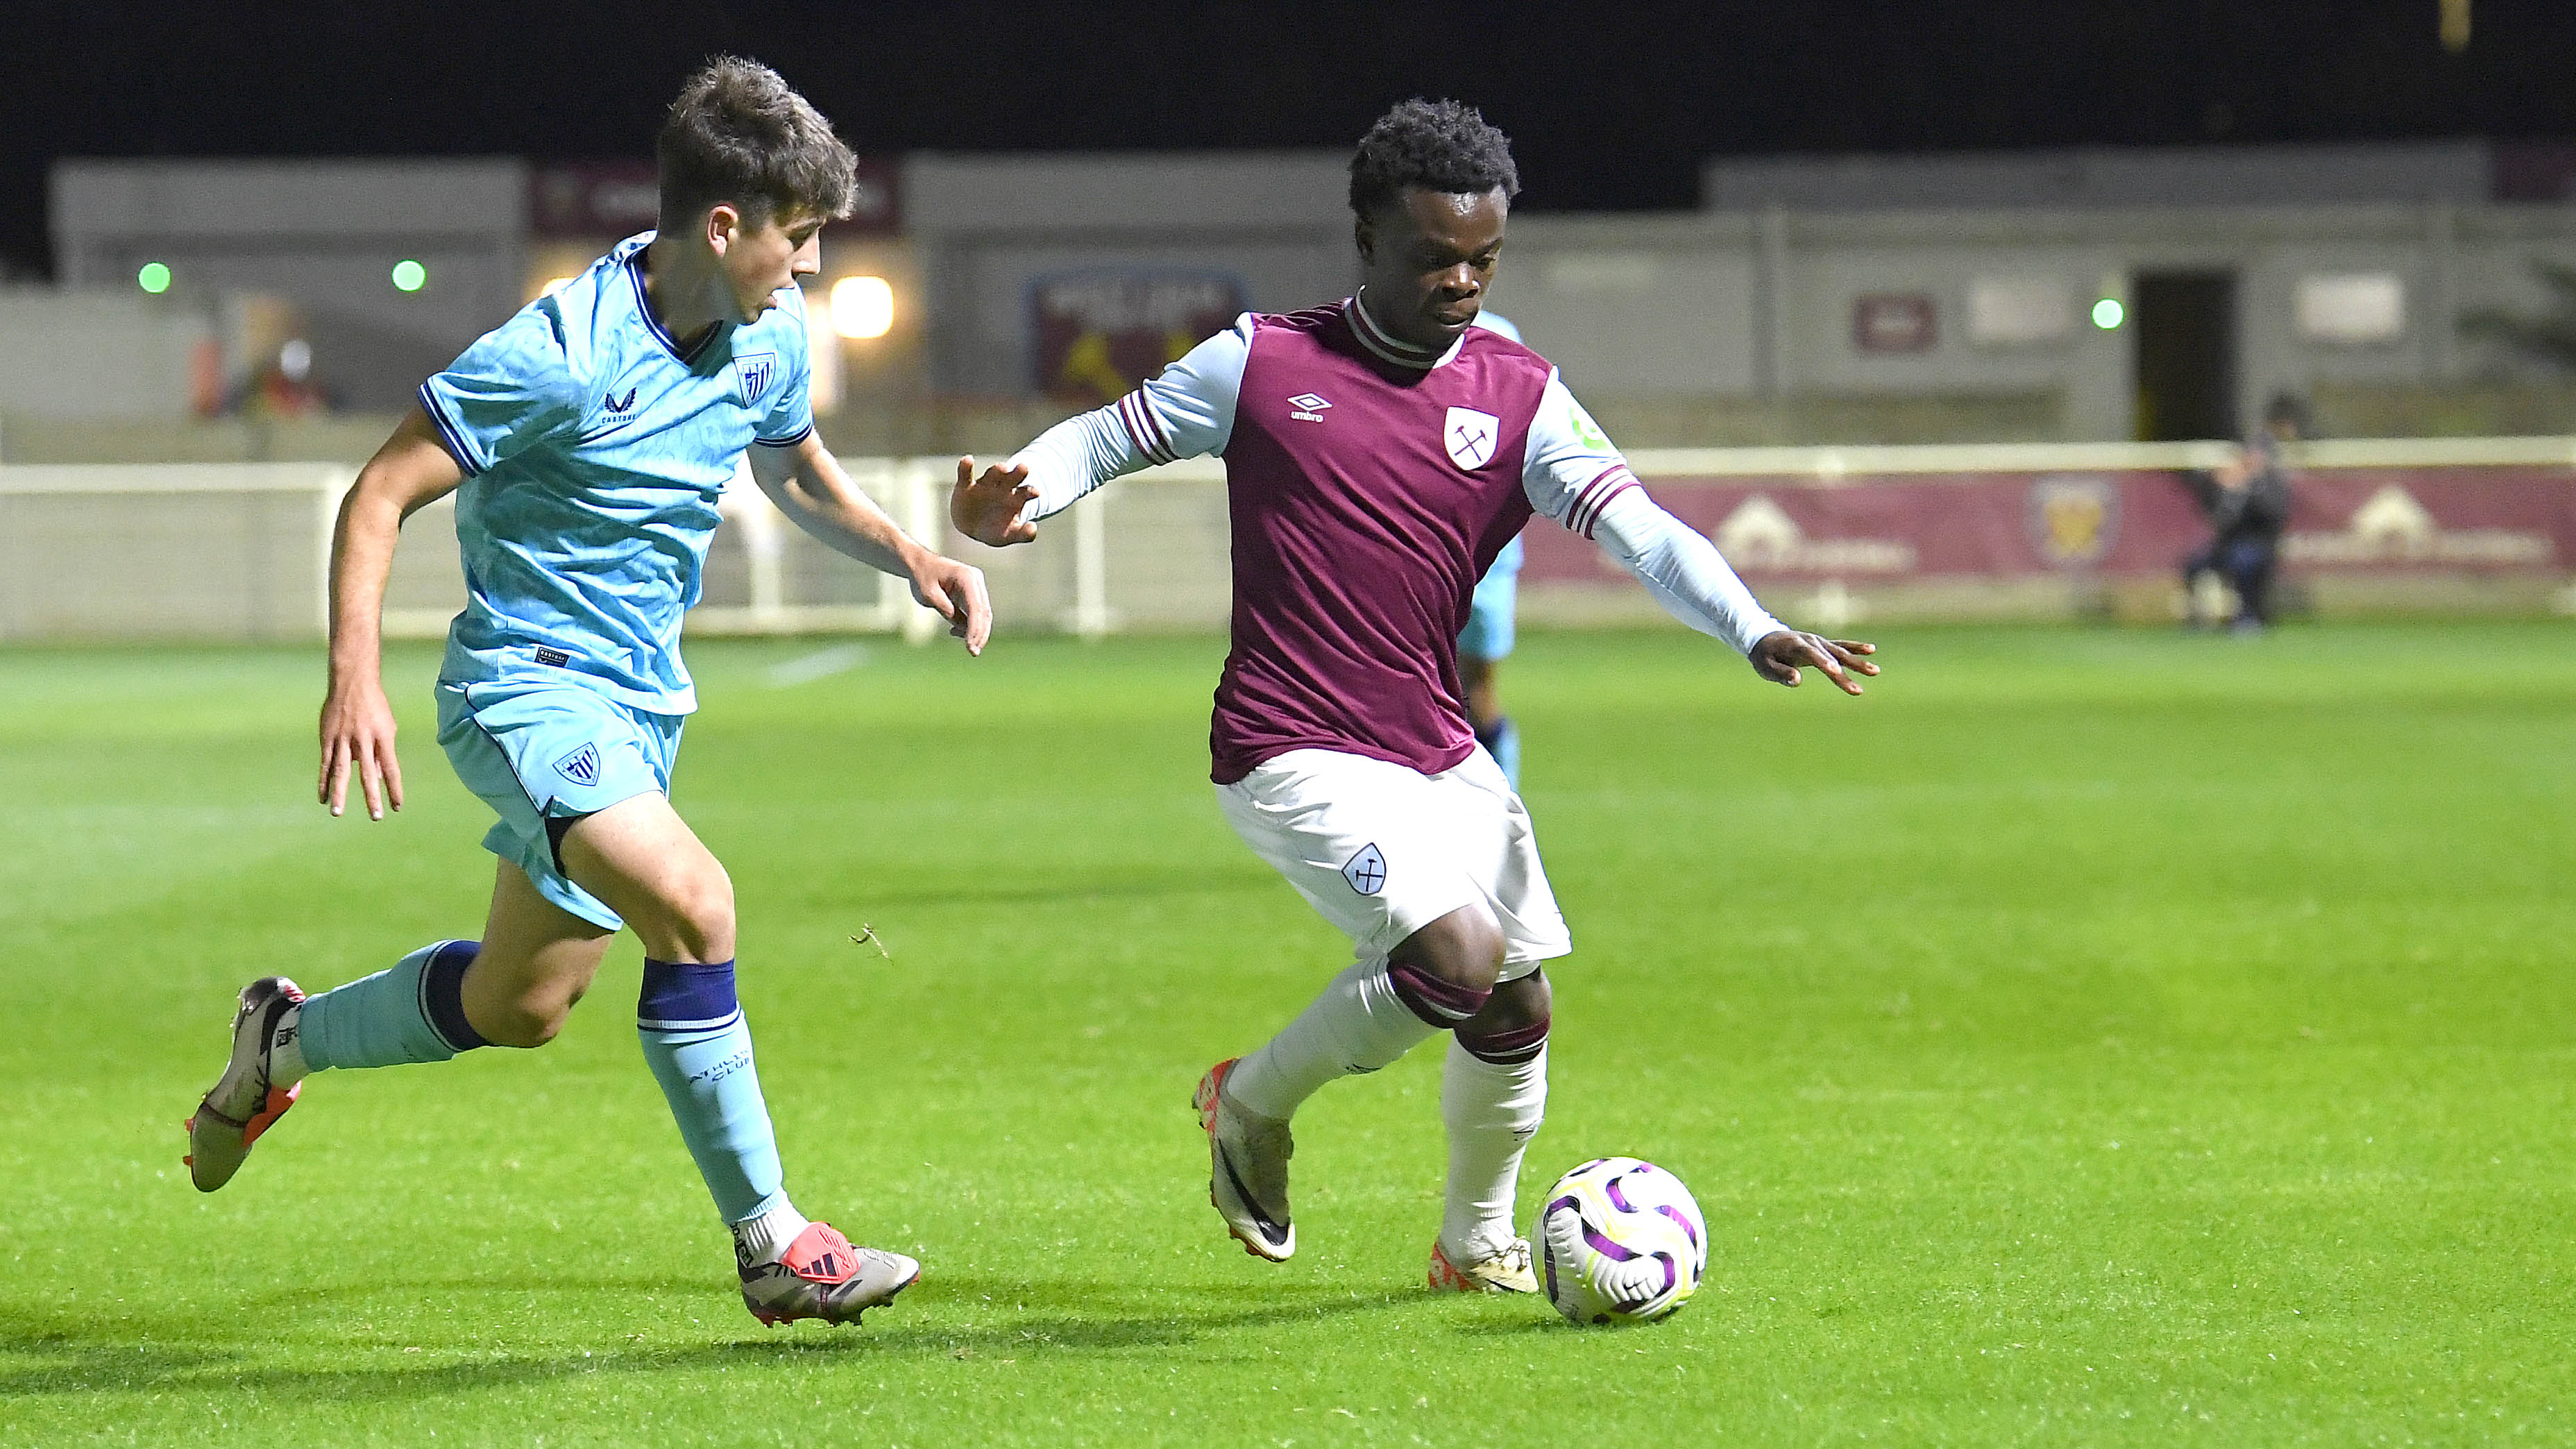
pixel 1436 145
pixel 740 134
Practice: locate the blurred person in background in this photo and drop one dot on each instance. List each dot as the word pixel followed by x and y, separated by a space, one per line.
pixel 284 386
pixel 2249 508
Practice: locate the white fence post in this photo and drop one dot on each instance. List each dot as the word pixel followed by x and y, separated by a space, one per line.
pixel 1091 618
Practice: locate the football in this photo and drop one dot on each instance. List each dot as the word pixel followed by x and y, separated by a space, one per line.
pixel 1620 1241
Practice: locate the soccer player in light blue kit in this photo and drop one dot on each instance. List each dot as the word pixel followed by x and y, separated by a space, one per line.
pixel 588 441
pixel 1487 639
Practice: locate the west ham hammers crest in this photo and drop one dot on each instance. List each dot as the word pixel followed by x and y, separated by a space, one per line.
pixel 1471 437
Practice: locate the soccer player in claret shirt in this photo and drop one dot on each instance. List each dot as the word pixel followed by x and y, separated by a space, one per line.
pixel 1379 452
pixel 589 440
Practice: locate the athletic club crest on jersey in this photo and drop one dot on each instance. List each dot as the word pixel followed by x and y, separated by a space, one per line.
pixel 581 766
pixel 1471 437
pixel 756 369
pixel 1366 871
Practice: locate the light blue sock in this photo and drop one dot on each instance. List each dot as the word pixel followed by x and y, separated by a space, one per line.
pixel 1507 750
pixel 410 1012
pixel 700 1051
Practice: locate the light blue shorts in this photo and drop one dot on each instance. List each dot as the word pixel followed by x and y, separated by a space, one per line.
pixel 540 751
pixel 1488 634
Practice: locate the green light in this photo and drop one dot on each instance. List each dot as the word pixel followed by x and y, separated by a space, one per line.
pixel 2108 314
pixel 154 278
pixel 410 276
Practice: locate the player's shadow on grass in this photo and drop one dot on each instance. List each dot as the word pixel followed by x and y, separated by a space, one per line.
pixel 134 1355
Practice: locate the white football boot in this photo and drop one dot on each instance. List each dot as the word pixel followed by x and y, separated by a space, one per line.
pixel 822 1276
pixel 1505 1271
pixel 1247 1168
pixel 244 1103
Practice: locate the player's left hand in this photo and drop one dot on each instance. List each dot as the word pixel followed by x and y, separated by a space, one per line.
pixel 1778 657
pixel 955 592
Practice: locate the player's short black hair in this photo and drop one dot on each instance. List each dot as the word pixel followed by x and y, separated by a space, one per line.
pixel 1436 145
pixel 740 134
pixel 2287 407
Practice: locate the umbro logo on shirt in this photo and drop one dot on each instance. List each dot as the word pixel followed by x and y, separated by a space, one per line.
pixel 621 405
pixel 1306 407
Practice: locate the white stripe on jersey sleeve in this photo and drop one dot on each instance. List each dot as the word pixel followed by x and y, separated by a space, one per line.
pixel 1185 413
pixel 1574 475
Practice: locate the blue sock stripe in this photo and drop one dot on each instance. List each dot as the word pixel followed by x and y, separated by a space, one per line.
pixel 442 993
pixel 680 995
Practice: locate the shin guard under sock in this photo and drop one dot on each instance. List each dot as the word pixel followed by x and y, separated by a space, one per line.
pixel 699 1049
pixel 1358 1024
pixel 412 1011
pixel 1493 1095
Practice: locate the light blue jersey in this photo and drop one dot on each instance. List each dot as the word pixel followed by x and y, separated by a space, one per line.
pixel 596 450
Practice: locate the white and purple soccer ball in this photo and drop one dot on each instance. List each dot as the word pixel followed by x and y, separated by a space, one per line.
pixel 1620 1241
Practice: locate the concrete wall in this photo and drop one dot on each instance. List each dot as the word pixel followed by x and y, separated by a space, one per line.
pixel 322 235
pixel 91 356
pixel 1763 305
pixel 986 226
pixel 2458 172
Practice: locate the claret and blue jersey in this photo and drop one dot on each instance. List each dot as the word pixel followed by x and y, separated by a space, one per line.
pixel 596 449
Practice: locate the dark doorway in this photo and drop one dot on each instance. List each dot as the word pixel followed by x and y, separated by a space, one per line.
pixel 2186 354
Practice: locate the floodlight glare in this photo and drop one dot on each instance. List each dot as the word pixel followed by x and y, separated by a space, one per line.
pixel 862 307
pixel 410 276
pixel 154 278
pixel 2108 314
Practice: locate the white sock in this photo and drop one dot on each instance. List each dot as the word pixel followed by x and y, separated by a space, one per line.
pixel 1357 1025
pixel 765 1239
pixel 1491 1112
pixel 286 1064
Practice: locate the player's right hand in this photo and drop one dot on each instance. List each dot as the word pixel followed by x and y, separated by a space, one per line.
pixel 358 732
pixel 987 509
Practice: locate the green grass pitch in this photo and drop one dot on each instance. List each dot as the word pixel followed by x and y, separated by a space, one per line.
pixel 2089 1037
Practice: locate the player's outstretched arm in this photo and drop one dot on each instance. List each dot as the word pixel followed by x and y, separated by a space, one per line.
pixel 808 485
pixel 1186 412
pixel 1687 575
pixel 412 469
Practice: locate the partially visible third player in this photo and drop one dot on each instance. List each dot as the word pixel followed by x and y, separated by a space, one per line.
pixel 1380 452
pixel 1492 628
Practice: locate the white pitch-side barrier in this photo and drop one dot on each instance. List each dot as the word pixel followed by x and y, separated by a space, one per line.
pixel 241 551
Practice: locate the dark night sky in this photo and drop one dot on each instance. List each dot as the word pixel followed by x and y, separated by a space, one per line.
pixel 1609 107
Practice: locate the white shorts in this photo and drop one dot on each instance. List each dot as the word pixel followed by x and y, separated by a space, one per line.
pixel 1384 850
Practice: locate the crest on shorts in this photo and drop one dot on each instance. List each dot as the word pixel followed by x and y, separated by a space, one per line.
pixel 1366 871
pixel 1471 437
pixel 757 368
pixel 581 766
